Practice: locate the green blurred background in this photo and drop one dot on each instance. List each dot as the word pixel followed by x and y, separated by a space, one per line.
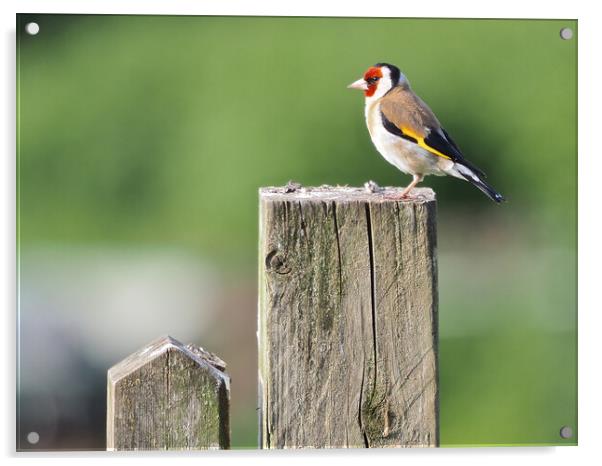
pixel 142 141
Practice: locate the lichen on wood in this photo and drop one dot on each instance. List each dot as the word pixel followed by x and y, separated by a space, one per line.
pixel 168 396
pixel 347 322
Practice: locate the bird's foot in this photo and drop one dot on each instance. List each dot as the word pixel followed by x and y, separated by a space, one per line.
pixel 404 196
pixel 398 196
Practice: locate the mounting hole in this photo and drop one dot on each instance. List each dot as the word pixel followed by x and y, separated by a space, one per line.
pixel 32 28
pixel 566 33
pixel 33 438
pixel 566 432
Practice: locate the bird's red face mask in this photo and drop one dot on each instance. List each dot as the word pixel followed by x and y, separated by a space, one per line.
pixel 369 82
pixel 372 76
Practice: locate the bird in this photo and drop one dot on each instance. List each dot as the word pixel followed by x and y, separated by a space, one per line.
pixel 407 133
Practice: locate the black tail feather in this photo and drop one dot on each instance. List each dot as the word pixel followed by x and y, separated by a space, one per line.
pixel 475 180
pixel 487 189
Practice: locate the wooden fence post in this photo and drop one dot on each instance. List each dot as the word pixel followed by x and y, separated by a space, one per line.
pixel 168 396
pixel 347 318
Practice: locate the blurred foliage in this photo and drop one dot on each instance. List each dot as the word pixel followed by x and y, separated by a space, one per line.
pixel 119 111
pixel 148 130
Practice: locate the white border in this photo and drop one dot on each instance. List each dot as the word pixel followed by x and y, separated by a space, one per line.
pixel 590 166
pixel 434 8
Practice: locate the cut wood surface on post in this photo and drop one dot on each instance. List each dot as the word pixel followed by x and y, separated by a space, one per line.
pixel 347 318
pixel 168 396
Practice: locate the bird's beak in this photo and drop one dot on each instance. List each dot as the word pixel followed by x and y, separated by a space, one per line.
pixel 359 84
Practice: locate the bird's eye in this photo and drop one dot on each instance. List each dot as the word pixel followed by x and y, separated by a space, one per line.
pixel 372 80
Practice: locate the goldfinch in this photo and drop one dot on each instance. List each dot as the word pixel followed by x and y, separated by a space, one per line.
pixel 407 133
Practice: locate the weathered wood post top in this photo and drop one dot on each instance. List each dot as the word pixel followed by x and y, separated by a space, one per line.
pixel 168 396
pixel 347 320
pixel 370 192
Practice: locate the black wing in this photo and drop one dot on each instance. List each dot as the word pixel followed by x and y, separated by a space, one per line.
pixel 442 142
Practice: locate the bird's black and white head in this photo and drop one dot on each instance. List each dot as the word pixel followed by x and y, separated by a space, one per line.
pixel 379 79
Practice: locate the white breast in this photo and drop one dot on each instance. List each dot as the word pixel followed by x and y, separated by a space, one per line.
pixel 405 155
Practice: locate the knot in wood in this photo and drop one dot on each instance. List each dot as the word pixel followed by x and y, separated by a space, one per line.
pixel 275 262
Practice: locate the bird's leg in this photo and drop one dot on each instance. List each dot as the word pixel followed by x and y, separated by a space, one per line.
pixel 405 194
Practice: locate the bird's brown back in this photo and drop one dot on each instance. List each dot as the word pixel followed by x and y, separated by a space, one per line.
pixel 406 110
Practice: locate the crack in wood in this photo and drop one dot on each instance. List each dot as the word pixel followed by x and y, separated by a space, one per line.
pixel 417 396
pixel 340 262
pixel 372 288
pixel 355 312
pixel 359 411
pixel 402 381
pixel 372 306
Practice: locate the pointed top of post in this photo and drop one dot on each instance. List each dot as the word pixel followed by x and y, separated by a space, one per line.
pixel 157 348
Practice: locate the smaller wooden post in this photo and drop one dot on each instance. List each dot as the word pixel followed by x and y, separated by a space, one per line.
pixel 168 396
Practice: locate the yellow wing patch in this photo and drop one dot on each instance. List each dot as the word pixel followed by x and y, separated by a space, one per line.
pixel 421 143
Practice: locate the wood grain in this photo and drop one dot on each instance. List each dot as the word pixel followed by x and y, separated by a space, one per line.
pixel 347 324
pixel 168 396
